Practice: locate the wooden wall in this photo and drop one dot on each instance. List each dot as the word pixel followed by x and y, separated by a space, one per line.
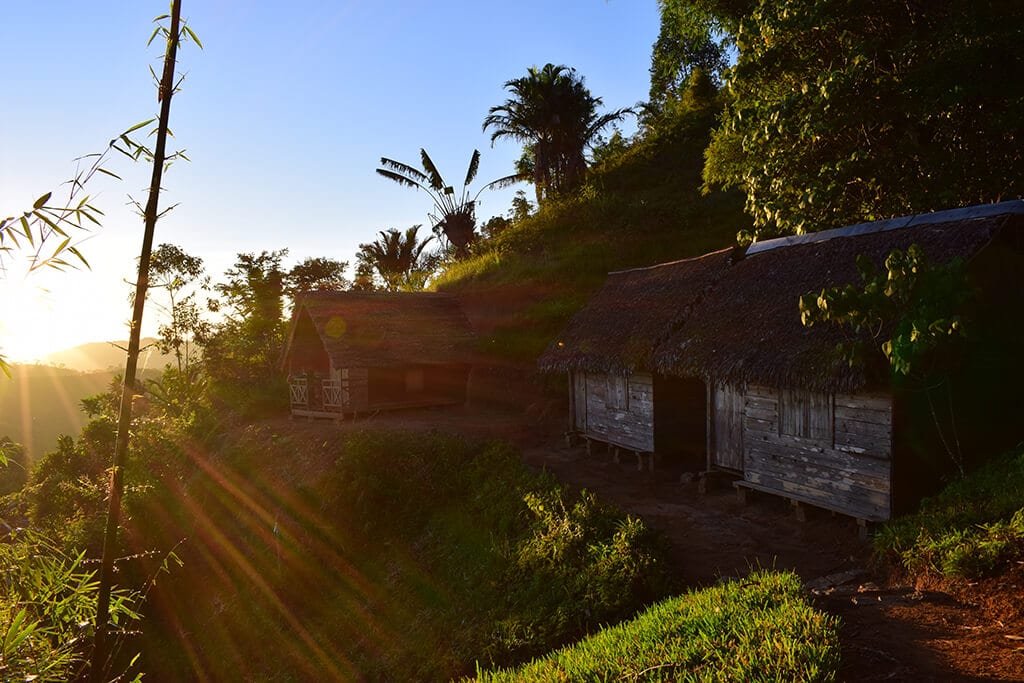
pixel 358 388
pixel 850 472
pixel 620 410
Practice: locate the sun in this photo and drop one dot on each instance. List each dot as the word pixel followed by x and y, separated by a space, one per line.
pixel 45 312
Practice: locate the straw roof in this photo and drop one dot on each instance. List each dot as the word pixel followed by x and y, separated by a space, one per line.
pixel 378 329
pixel 748 328
pixel 620 327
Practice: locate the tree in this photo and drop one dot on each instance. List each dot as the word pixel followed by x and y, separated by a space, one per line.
pixel 454 214
pixel 174 271
pixel 317 274
pixel 399 259
pixel 840 112
pixel 691 38
pixel 244 349
pixel 555 116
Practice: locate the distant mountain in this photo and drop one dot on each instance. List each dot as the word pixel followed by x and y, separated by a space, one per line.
pixel 96 356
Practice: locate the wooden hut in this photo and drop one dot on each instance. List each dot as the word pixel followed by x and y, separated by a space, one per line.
pixel 607 349
pixel 795 420
pixel 353 352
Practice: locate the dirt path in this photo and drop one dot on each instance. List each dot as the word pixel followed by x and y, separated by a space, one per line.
pixel 888 632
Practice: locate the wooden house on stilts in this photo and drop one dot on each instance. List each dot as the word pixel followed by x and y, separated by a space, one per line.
pixel 616 396
pixel 795 419
pixel 354 352
pixel 716 357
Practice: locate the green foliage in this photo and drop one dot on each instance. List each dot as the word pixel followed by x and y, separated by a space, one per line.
pixel 912 311
pixel 974 527
pixel 242 353
pixel 581 565
pixel 555 116
pixel 47 603
pixel 317 274
pixel 691 40
pixel 454 216
pixel 757 629
pixel 13 466
pixel 399 260
pixel 840 112
pixel 176 272
pixel 409 558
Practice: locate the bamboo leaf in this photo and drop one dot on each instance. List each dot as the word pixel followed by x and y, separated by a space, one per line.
pixel 136 127
pixel 109 173
pixel 193 36
pixel 41 202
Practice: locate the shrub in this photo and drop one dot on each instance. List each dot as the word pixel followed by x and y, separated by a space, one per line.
pixel 973 527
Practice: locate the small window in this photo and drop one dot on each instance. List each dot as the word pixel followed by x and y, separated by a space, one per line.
pixel 617 393
pixel 806 414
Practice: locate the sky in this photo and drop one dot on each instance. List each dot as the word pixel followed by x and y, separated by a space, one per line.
pixel 284 114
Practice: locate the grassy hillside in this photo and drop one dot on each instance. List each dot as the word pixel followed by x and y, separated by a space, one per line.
pixel 642 207
pixel 758 629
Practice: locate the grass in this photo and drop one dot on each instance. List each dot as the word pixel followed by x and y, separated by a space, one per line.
pixel 974 527
pixel 757 629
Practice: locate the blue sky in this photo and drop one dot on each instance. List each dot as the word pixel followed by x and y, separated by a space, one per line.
pixel 285 114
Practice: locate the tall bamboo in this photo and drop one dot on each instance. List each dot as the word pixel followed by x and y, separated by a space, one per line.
pixel 101 650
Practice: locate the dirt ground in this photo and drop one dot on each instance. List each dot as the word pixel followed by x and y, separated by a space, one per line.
pixel 889 631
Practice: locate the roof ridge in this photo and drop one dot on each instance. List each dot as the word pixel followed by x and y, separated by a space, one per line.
pixel 668 263
pixel 1012 206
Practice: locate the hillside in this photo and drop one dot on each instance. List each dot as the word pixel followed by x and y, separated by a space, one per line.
pixel 40 402
pixel 640 207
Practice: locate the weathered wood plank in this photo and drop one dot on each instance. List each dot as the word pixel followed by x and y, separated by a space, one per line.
pixel 774 489
pixel 832 458
pixel 756 425
pixel 859 443
pixel 881 417
pixel 865 429
pixel 869 505
pixel 761 391
pixel 820 475
pixel 786 444
pixel 880 402
pixel 761 414
pixel 760 403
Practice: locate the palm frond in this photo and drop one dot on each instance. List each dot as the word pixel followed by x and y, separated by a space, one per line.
pixel 400 179
pixel 436 181
pixel 474 166
pixel 507 181
pixel 404 169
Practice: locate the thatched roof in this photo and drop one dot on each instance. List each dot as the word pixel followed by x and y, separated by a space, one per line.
pixel 748 328
pixel 620 327
pixel 378 329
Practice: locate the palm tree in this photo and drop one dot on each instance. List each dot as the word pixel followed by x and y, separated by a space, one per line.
pixel 454 214
pixel 398 258
pixel 553 113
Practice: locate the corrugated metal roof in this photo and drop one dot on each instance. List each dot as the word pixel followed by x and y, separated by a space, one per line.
pixel 1013 206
